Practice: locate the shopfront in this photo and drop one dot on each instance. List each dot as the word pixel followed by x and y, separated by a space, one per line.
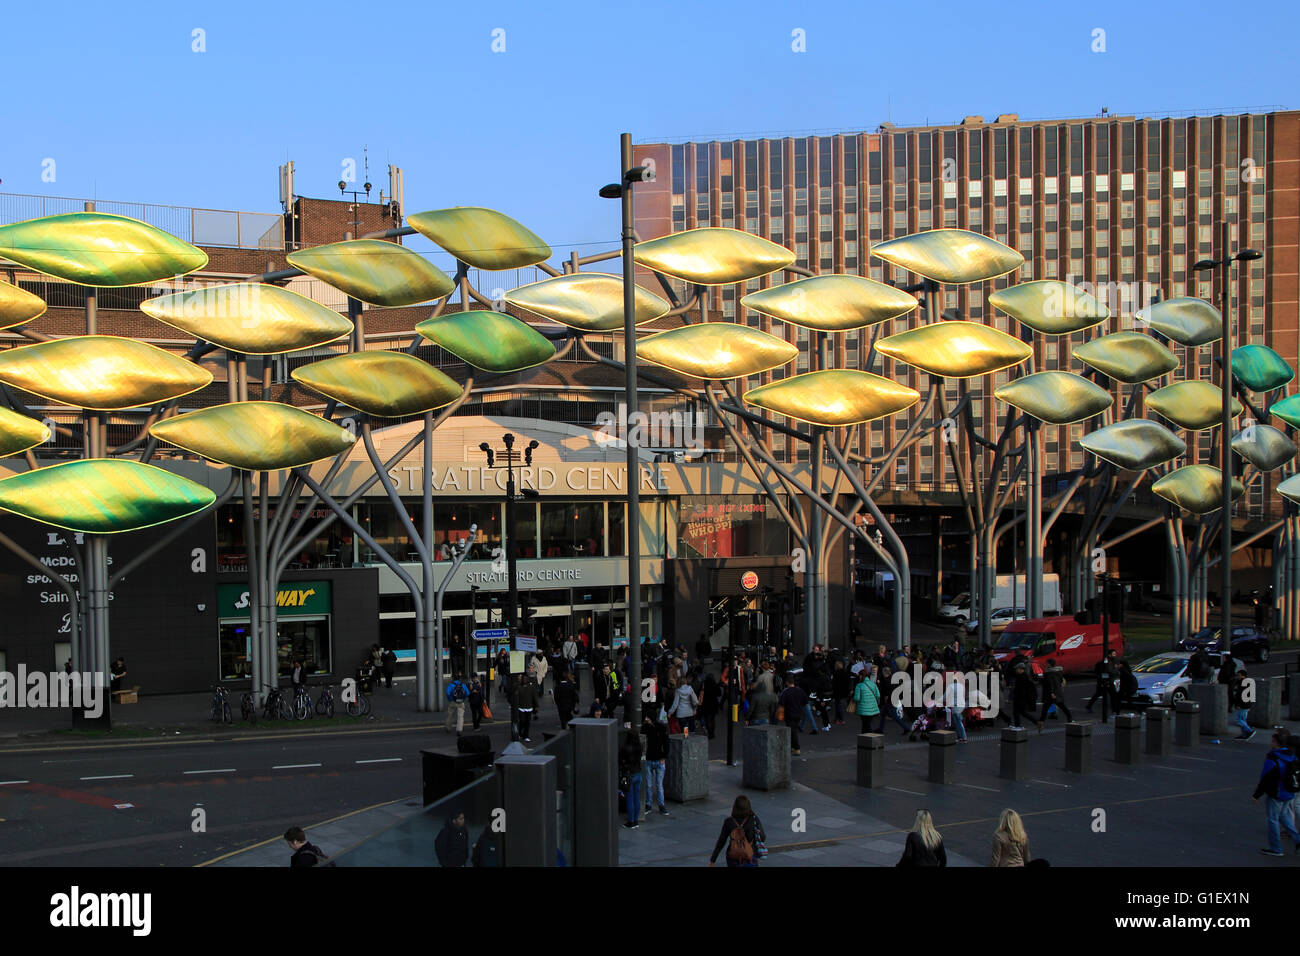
pixel 304 610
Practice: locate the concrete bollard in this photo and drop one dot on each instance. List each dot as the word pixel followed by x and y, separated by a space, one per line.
pixel 1014 754
pixel 1213 699
pixel 1293 695
pixel 871 760
pixel 1159 726
pixel 1128 733
pixel 1078 746
pixel 686 773
pixel 943 753
pixel 1266 712
pixel 766 755
pixel 1187 723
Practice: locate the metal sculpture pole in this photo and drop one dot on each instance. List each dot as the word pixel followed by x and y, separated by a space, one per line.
pixel 633 522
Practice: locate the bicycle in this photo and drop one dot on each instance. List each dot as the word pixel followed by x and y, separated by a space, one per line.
pixel 276 706
pixel 220 712
pixel 325 703
pixel 302 705
pixel 248 707
pixel 359 707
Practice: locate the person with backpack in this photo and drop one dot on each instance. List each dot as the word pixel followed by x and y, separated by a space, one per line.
pixel 924 846
pixel 477 703
pixel 304 853
pixel 742 836
pixel 1279 782
pixel 566 699
pixel 1238 705
pixel 456 693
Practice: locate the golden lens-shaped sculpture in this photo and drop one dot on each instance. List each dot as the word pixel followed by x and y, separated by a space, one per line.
pixel 1288 409
pixel 1128 357
pixel 834 303
pixel 1050 306
pixel 492 341
pixel 103 372
pixel 18 306
pixel 103 496
pixel 1259 368
pixel 1059 398
pixel 955 349
pixel 1193 405
pixel 250 317
pixel 381 273
pixel 1134 444
pixel 834 397
pixel 712 256
pixel 1290 488
pixel 481 237
pixel 255 436
pixel 1186 320
pixel 716 350
pixel 1264 447
pixel 19 433
pixel 97 249
pixel 383 384
pixel 1195 488
pixel 590 301
pixel 950 255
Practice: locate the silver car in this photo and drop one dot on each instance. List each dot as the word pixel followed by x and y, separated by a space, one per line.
pixel 1163 679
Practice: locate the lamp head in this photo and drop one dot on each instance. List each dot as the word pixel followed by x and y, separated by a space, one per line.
pixel 1249 255
pixel 611 191
pixel 1204 265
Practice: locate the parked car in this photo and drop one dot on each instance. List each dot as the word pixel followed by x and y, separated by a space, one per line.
pixel 998 620
pixel 1163 679
pixel 956 609
pixel 1076 647
pixel 1248 641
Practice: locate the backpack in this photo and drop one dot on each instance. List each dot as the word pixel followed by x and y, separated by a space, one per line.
pixel 322 859
pixel 455 691
pixel 739 849
pixel 1290 776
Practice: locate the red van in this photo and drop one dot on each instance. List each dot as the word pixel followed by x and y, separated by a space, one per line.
pixel 1076 647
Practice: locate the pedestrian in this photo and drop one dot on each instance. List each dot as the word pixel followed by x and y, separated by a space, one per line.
pixel 791 705
pixel 1279 782
pixel 541 668
pixel 841 690
pixel 304 853
pixel 476 701
pixel 457 693
pixel 451 845
pixel 1239 706
pixel 1128 686
pixel 389 661
pixel 525 704
pixel 1199 668
pixel 866 702
pixel 656 761
pixel 1023 698
pixel 684 706
pixel 117 674
pixel 710 703
pixel 377 658
pixel 1010 842
pixel 67 666
pixel 566 699
pixel 1053 692
pixel 629 764
pixel 1227 670
pixel 954 699
pixel 298 676
pixel 762 700
pixel 1106 672
pixel 742 835
pixel 924 846
pixel 601 685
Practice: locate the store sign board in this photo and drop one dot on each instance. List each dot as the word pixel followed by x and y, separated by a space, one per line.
pixel 293 599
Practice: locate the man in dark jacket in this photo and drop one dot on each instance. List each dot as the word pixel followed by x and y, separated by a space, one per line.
pixel 304 853
pixel 1106 671
pixel 1053 692
pixel 656 761
pixel 629 765
pixel 1023 697
pixel 600 684
pixel 566 699
pixel 452 843
pixel 1227 670
pixel 1199 668
pixel 794 700
pixel 1239 706
pixel 390 665
pixel 1279 801
pixel 525 704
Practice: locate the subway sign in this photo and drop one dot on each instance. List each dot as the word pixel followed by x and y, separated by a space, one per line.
pixel 298 598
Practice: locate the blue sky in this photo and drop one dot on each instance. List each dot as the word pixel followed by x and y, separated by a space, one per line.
pixel 116 96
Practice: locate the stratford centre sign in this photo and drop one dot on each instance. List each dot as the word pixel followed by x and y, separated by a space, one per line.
pixel 545 479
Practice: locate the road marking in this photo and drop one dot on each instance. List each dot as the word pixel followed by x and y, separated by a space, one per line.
pixel 1197 759
pixel 1170 769
pixel 382 760
pixel 8 783
pixel 901 790
pixel 225 770
pixel 974 787
pixel 110 776
pixel 1050 783
pixel 295 766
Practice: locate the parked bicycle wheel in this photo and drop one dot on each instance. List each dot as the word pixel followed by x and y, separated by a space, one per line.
pixel 301 708
pixel 286 710
pixel 247 709
pixel 365 705
pixel 215 714
pixel 325 705
pixel 225 712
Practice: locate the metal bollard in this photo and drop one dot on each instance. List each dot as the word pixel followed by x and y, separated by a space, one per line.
pixel 871 760
pixel 1078 746
pixel 1128 733
pixel 1187 723
pixel 943 751
pixel 1159 725
pixel 1014 762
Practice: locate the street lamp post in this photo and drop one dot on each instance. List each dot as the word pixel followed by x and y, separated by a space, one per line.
pixel 1225 438
pixel 509 458
pixel 622 190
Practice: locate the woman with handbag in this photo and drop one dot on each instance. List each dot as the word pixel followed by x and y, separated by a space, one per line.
pixel 866 701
